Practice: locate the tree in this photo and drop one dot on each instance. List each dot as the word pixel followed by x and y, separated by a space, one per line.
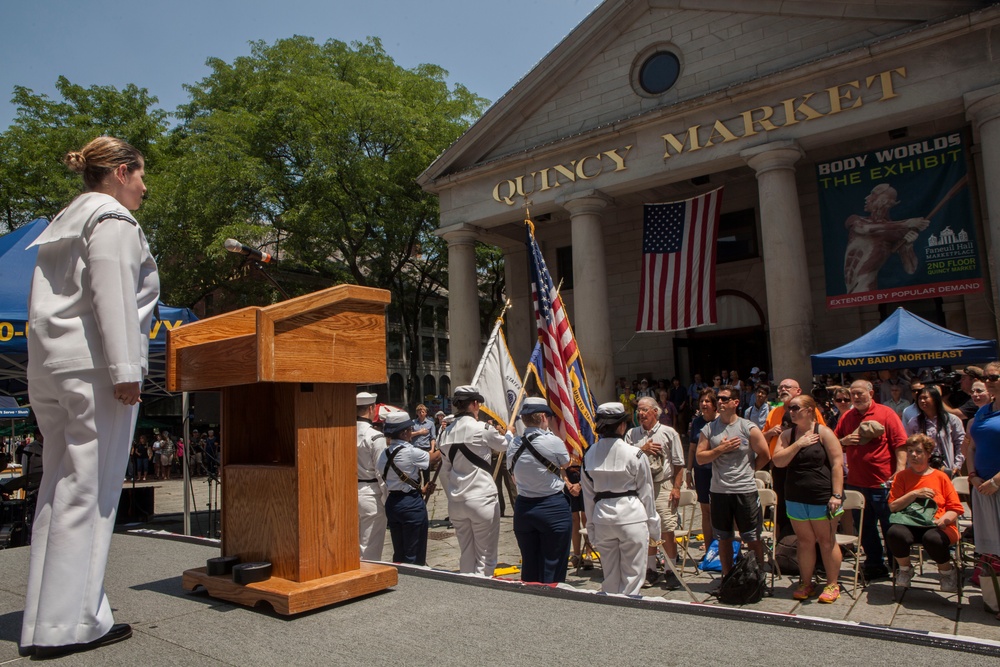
pixel 311 151
pixel 33 180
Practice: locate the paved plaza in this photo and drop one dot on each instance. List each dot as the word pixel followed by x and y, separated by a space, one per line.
pixel 923 608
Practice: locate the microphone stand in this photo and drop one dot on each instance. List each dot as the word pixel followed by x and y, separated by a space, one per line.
pixel 260 268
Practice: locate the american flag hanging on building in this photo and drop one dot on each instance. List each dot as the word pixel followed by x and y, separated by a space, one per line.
pixel 678 263
pixel 563 380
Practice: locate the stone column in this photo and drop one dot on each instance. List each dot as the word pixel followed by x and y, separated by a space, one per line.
pixel 520 318
pixel 982 108
pixel 463 304
pixel 786 272
pixel 591 321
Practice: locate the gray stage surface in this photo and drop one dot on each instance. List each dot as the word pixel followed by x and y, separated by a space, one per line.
pixel 434 618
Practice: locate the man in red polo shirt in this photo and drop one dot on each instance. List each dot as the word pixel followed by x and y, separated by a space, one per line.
pixel 870 465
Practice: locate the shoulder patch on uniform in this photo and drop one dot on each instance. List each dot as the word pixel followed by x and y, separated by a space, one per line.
pixel 378 435
pixel 639 454
pixel 116 216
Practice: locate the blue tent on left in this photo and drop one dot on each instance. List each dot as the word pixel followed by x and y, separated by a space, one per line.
pixel 17 263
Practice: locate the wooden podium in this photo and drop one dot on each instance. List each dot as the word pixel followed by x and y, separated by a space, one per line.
pixel 288 374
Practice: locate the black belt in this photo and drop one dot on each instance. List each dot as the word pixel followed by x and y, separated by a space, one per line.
pixel 405 493
pixel 602 495
pixel 367 481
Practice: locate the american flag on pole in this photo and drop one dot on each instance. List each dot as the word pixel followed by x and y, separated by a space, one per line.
pixel 563 380
pixel 678 263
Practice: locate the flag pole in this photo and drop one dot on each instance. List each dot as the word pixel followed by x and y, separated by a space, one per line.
pixel 489 343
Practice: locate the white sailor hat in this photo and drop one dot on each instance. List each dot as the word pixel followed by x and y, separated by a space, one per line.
pixel 449 419
pixel 467 392
pixel 439 413
pixel 534 405
pixel 396 423
pixel 366 398
pixel 609 414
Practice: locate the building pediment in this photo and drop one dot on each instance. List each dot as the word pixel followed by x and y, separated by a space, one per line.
pixel 590 80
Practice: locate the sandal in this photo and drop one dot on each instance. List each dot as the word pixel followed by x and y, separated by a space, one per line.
pixel 576 560
pixel 830 594
pixel 804 591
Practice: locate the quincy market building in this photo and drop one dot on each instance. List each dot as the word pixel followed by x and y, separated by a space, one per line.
pixel 811 115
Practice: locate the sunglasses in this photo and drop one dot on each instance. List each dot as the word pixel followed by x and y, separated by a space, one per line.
pixel 794 408
pixel 725 399
pixel 991 378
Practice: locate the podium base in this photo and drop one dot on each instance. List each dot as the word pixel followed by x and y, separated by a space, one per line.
pixel 292 597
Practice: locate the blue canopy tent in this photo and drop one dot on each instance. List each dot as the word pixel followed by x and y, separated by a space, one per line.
pixel 17 262
pixel 905 341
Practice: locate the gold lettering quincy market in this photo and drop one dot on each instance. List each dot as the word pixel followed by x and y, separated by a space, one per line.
pixel 581 169
pixel 810 106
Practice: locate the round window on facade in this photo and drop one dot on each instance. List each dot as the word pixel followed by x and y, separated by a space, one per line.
pixel 659 72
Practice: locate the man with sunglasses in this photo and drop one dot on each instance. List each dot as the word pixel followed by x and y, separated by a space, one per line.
pixel 736 449
pixel 870 467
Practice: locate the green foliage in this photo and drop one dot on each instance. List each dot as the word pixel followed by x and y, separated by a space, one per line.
pixel 311 150
pixel 33 180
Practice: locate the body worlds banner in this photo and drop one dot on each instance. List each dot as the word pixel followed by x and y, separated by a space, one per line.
pixel 897 224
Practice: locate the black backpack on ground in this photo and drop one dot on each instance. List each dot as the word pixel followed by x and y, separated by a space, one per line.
pixel 745 582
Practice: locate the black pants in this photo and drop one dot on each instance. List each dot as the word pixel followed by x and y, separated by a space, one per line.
pixel 934 540
pixel 407 518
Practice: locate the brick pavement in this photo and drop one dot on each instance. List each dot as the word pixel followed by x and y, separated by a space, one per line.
pixel 923 608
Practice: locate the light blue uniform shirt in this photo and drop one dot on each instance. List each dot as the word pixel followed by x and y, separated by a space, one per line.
pixel 533 479
pixel 409 460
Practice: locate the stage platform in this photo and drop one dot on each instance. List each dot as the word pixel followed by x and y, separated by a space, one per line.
pixel 439 618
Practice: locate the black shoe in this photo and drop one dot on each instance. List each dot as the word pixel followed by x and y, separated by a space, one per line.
pixel 118 632
pixel 876 573
pixel 25 651
pixel 652 576
pixel 670 581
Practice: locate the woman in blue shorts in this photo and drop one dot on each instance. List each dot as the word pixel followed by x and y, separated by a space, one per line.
pixel 814 494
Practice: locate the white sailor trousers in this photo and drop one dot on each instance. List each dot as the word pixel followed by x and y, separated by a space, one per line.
pixel 87 434
pixel 623 556
pixel 372 521
pixel 477 528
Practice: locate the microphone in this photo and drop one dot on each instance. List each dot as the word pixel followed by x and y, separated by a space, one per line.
pixel 232 245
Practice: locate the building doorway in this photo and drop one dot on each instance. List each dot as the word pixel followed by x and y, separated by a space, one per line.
pixel 737 341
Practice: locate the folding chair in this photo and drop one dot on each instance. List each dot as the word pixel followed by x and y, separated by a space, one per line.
pixel 956 562
pixel 853 500
pixel 769 505
pixel 686 507
pixel 760 483
pixel 764 476
pixel 964 490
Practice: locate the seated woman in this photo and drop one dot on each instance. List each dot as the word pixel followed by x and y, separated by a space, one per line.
pixel 814 494
pixel 943 428
pixel 918 482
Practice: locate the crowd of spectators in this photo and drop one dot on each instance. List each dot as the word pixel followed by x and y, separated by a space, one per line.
pixel 895 438
pixel 160 456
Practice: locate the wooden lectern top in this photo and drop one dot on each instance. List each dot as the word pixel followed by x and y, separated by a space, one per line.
pixel 336 335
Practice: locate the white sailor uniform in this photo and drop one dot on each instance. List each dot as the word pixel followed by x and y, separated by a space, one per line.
pixel 93 293
pixel 466 451
pixel 621 514
pixel 371 491
pixel 543 521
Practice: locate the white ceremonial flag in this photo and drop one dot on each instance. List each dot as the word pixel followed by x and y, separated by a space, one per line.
pixel 497 379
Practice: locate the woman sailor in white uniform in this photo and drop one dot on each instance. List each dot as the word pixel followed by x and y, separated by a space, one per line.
pixel 618 497
pixel 93 294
